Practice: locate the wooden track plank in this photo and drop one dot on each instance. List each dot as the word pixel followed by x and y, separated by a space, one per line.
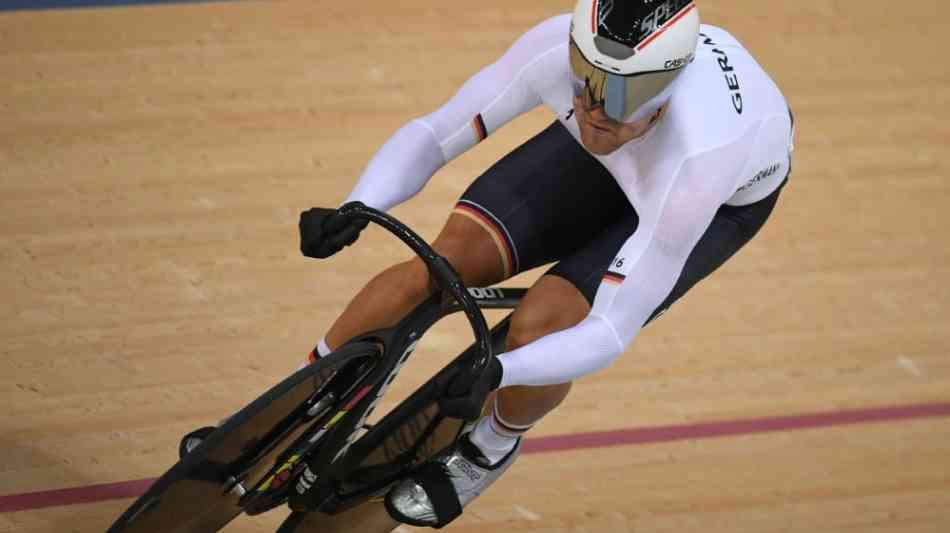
pixel 153 161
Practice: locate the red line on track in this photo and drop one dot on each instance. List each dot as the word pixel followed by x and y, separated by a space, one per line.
pixel 705 430
pixel 73 496
pixel 701 430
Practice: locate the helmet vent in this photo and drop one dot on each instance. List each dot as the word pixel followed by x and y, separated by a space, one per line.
pixel 612 48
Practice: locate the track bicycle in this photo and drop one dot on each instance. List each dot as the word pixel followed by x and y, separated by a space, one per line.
pixel 318 417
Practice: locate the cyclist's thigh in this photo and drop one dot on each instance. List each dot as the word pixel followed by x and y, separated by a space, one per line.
pixel 471 251
pixel 542 201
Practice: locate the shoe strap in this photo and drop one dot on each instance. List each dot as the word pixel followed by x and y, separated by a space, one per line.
pixel 434 479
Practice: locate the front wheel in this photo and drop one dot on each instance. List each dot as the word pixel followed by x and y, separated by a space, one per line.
pixel 204 490
pixel 344 375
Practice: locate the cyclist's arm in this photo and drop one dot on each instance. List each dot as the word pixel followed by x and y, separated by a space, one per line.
pixel 638 280
pixel 487 101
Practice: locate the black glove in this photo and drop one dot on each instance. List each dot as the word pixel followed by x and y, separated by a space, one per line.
pixel 468 405
pixel 324 232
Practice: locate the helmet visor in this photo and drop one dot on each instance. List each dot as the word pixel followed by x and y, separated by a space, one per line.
pixel 620 96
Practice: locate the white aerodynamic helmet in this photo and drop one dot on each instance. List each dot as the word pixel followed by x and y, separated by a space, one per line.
pixel 625 54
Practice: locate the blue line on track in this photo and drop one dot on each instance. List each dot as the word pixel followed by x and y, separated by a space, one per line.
pixel 27 5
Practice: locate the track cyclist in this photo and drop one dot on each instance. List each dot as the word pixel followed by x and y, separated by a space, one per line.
pixel 668 154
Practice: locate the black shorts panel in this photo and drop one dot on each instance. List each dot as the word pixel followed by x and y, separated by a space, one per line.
pixel 550 200
pixel 546 199
pixel 730 229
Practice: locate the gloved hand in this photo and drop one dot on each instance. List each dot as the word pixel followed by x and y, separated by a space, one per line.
pixel 324 232
pixel 468 405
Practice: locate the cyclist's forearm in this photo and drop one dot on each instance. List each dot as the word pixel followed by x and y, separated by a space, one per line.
pixel 401 168
pixel 563 356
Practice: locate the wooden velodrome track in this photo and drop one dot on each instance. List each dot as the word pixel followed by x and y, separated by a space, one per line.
pixel 153 161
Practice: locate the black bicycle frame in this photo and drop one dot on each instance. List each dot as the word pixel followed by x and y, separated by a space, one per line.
pixel 414 430
pixel 445 277
pixel 409 433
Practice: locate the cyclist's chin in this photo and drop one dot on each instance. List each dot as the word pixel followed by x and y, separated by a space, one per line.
pixel 599 142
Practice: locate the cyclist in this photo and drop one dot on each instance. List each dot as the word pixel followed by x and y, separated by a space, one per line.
pixel 668 154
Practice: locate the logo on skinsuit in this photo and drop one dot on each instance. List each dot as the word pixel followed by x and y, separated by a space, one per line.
pixel 761 175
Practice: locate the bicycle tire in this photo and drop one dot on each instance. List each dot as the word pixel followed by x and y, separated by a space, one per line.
pixel 405 437
pixel 370 517
pixel 346 386
pixel 195 493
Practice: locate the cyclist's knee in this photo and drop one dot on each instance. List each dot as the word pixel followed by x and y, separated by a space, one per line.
pixel 532 324
pixel 553 304
pixel 411 281
pixel 471 251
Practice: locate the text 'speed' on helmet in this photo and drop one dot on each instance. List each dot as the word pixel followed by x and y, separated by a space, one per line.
pixel 632 22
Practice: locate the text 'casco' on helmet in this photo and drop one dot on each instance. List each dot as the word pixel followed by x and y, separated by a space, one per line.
pixel 626 53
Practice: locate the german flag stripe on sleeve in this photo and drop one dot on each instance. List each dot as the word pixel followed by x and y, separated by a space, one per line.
pixel 613 278
pixel 481 132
